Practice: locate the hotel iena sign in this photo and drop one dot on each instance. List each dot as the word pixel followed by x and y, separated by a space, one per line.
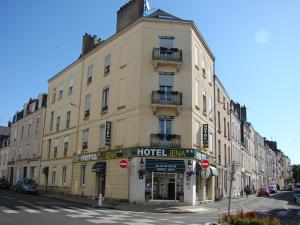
pixel 107 133
pixel 205 135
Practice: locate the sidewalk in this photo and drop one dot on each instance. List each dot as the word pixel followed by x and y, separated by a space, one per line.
pixel 146 207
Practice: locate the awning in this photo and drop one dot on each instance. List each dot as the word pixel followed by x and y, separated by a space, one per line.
pixel 45 170
pixel 99 167
pixel 213 170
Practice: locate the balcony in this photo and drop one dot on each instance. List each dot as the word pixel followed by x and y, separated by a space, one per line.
pixel 164 56
pixel 163 99
pixel 165 140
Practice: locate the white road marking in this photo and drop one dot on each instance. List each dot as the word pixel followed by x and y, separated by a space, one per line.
pixel 85 211
pixel 27 209
pixel 46 209
pixel 101 221
pixel 144 220
pixel 7 210
pixel 66 210
pixel 79 216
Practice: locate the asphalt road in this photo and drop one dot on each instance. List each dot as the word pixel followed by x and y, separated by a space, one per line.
pixel 24 209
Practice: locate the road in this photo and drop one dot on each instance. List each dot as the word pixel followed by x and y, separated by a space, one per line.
pixel 24 209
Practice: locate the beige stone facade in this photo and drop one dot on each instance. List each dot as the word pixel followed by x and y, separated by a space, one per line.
pixel 26 141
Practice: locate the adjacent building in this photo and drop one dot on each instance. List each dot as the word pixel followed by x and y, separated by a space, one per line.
pixel 4 149
pixel 26 140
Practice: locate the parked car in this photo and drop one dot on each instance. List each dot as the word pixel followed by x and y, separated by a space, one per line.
pixel 263 191
pixel 4 183
pixel 297 186
pixel 27 186
pixel 296 194
pixel 272 189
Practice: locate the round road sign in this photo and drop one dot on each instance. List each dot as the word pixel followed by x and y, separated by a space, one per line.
pixel 204 164
pixel 123 164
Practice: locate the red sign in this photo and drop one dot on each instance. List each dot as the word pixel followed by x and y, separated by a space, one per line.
pixel 123 164
pixel 204 164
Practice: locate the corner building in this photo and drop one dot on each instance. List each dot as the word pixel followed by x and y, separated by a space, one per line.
pixel 146 115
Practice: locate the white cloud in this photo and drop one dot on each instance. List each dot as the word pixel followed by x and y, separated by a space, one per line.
pixel 262 36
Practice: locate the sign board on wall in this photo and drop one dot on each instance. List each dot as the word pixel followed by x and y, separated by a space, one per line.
pixel 205 135
pixel 108 133
pixel 158 165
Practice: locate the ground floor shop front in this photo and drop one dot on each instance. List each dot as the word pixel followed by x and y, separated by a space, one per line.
pixel 151 175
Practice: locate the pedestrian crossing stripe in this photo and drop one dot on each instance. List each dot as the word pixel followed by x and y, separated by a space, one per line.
pixel 7 210
pixel 47 209
pixel 27 209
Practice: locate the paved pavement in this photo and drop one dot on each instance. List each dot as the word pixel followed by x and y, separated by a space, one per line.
pixel 24 209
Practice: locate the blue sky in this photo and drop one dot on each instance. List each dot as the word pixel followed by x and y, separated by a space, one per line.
pixel 256 44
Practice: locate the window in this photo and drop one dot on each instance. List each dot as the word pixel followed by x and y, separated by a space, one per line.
pixel 209 75
pixel 68 119
pixel 102 136
pixel 107 64
pixel 105 99
pixel 61 91
pixel 203 67
pixel 71 84
pixel 37 125
pixel 82 175
pixel 54 95
pixel 228 108
pixel 22 131
pixel 124 56
pixel 196 56
pixel 166 86
pixel 85 137
pixel 165 126
pixel 87 106
pixel 225 127
pixel 210 142
pixel 64 175
pixel 219 151
pixel 53 177
pixel 49 148
pixel 66 145
pixel 224 103
pixel 210 109
pixel 57 123
pixel 204 102
pixel 29 128
pixel 55 152
pixel 51 120
pixel 90 74
pixel 225 154
pixel 218 95
pixel 228 132
pixel 197 93
pixel 166 41
pixel 219 122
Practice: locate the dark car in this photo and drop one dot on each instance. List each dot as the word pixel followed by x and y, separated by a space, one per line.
pixel 263 191
pixel 296 194
pixel 272 189
pixel 4 183
pixel 27 186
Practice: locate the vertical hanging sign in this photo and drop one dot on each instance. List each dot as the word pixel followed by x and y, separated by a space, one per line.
pixel 107 133
pixel 205 135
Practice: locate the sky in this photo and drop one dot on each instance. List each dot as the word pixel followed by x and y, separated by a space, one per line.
pixel 256 44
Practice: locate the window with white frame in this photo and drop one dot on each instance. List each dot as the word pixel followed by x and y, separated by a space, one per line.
pixel 29 128
pixel 90 74
pixel 102 136
pixel 209 75
pixel 61 91
pixel 87 106
pixel 203 67
pixel 166 41
pixel 165 125
pixel 210 141
pixel 66 146
pixel 68 120
pixel 105 99
pixel 82 174
pixel 204 101
pixel 166 86
pixel 196 56
pixel 107 64
pixel 197 93
pixel 57 123
pixel 71 84
pixel 210 108
pixel 53 95
pixel 85 137
pixel 64 175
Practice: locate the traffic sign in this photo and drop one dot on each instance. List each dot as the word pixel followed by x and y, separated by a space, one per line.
pixel 123 164
pixel 204 164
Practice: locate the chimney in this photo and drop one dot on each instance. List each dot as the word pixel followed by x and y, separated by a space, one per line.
pixel 129 13
pixel 243 113
pixel 89 43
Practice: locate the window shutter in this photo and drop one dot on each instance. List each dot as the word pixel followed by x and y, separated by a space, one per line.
pixel 87 104
pixel 166 80
pixel 107 60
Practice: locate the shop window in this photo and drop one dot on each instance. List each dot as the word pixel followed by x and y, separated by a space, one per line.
pixel 82 175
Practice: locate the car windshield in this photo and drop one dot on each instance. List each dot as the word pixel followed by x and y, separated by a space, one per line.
pixel 271 187
pixel 28 181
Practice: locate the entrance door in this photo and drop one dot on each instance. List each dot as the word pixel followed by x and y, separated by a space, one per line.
pixel 11 176
pixel 101 183
pixel 25 172
pixel 164 186
pixel 171 191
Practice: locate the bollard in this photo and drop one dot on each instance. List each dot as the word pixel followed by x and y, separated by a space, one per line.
pixel 100 200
